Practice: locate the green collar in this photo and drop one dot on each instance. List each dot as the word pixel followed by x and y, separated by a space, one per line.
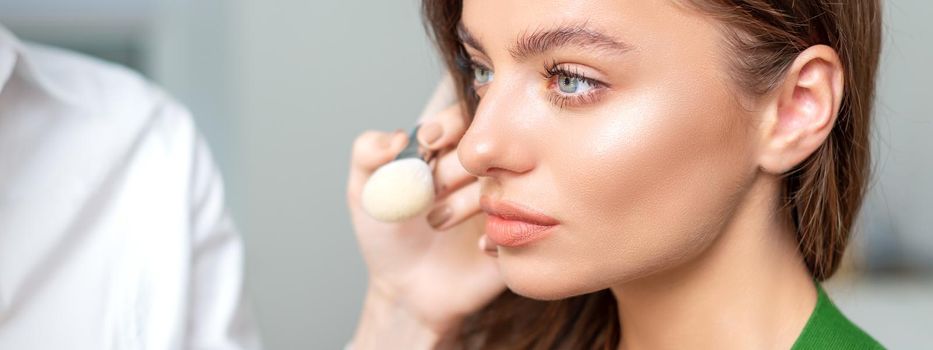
pixel 828 328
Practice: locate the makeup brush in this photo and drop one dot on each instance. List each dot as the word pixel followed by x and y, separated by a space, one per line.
pixel 402 188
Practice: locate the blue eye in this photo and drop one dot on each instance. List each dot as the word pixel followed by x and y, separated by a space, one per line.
pixel 481 75
pixel 572 85
pixel 567 86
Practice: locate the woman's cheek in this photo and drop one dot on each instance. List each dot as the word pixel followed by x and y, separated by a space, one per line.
pixel 620 154
pixel 635 178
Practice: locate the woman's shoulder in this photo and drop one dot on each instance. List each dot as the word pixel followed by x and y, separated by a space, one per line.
pixel 828 328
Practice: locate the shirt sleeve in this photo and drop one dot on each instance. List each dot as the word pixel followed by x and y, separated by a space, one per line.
pixel 219 316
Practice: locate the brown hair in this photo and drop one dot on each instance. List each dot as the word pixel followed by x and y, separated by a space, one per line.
pixel 822 195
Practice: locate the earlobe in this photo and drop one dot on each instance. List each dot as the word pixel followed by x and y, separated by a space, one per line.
pixel 803 111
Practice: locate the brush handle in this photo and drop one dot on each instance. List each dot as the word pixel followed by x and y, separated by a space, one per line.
pixel 413 148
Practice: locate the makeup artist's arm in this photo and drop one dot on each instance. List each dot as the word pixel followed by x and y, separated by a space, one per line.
pixel 427 273
pixel 219 315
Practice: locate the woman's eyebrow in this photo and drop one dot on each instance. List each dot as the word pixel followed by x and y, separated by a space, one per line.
pixel 580 35
pixel 543 40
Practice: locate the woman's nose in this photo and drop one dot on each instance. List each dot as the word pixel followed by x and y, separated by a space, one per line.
pixel 496 142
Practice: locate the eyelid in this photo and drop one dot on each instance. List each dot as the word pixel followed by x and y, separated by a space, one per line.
pixel 561 99
pixel 554 68
pixel 476 56
pixel 474 63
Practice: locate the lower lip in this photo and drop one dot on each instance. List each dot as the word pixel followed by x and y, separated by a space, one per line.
pixel 512 233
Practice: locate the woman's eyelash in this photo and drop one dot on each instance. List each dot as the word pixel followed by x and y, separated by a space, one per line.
pixel 463 61
pixel 553 70
pixel 474 64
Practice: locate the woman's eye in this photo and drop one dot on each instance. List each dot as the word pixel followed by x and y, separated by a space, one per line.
pixel 481 75
pixel 572 85
pixel 568 87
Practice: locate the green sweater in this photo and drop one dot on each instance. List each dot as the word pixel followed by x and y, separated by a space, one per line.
pixel 828 328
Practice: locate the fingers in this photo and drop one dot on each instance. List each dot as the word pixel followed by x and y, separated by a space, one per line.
pixel 449 174
pixel 371 150
pixel 444 95
pixel 456 208
pixel 443 129
pixel 486 245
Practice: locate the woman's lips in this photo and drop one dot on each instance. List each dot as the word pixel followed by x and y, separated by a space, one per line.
pixel 510 224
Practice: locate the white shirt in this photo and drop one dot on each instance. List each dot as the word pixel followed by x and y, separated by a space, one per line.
pixel 113 230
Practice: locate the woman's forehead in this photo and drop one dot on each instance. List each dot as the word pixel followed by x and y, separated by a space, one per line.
pixel 609 23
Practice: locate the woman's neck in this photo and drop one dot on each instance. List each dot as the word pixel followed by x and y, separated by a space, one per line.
pixel 749 290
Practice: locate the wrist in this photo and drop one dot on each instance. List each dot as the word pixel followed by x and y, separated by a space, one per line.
pixel 387 323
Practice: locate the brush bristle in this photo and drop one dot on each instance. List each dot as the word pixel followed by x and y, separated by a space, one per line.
pixel 399 190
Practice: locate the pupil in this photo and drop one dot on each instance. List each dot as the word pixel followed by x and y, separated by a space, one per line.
pixel 568 84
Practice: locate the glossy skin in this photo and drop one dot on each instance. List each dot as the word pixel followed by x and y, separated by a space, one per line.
pixel 662 174
pixel 641 176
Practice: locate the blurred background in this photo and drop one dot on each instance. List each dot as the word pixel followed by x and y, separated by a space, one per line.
pixel 280 89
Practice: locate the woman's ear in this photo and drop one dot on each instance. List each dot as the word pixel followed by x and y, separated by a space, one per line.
pixel 803 111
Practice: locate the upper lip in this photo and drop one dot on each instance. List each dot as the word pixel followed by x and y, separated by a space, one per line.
pixel 514 211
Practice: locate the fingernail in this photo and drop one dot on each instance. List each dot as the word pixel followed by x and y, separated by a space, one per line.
pixel 398 138
pixel 488 246
pixel 429 133
pixel 439 216
pixel 385 140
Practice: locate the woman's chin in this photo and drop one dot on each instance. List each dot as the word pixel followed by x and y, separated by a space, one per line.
pixel 545 281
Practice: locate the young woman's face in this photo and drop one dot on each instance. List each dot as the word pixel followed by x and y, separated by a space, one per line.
pixel 616 118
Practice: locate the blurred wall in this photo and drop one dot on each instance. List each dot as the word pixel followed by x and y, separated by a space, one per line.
pixel 898 217
pixel 309 76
